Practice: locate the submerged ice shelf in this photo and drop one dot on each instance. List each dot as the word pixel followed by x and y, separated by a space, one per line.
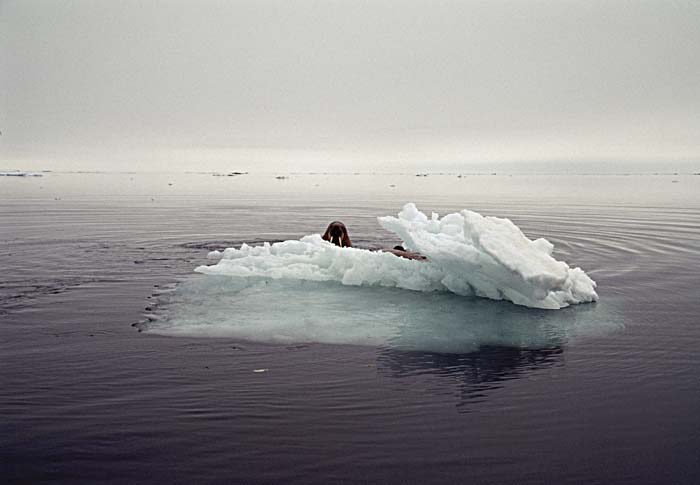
pixel 468 254
pixel 284 311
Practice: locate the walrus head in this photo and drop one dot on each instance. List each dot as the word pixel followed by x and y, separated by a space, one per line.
pixel 337 233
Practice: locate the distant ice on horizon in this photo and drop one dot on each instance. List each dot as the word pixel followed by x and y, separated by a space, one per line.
pixel 18 173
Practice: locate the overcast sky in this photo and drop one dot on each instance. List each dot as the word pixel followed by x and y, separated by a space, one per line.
pixel 345 85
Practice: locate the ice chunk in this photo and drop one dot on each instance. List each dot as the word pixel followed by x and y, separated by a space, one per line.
pixel 491 257
pixel 468 254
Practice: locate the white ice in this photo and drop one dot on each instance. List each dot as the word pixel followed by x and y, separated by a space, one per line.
pixel 468 254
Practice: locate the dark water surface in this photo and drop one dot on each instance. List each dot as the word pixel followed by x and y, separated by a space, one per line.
pixel 85 397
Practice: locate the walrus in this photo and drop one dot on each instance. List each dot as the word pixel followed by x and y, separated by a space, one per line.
pixel 336 233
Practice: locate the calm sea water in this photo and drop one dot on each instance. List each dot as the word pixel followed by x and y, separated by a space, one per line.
pixel 86 397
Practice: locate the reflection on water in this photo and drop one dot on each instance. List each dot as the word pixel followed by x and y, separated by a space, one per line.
pixel 469 376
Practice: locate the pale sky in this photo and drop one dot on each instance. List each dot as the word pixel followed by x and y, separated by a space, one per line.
pixel 345 85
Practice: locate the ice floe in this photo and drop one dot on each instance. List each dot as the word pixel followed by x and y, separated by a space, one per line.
pixel 468 254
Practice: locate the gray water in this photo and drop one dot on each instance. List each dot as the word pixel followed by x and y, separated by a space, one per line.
pixel 606 392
